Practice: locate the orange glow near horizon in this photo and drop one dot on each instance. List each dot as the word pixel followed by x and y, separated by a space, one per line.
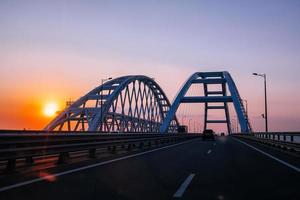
pixel 50 109
pixel 30 111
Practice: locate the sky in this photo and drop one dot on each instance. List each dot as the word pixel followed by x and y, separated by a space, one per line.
pixel 51 51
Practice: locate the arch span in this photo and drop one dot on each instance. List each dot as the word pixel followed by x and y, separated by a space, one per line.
pixel 133 103
pixel 210 97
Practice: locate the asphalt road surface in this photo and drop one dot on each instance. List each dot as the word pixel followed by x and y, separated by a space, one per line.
pixel 223 169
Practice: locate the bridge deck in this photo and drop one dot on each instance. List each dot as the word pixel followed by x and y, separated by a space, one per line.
pixel 222 169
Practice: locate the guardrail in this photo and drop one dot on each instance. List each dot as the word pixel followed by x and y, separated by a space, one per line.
pixel 293 137
pixel 284 140
pixel 27 146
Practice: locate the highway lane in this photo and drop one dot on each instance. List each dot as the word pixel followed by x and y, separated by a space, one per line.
pixel 224 169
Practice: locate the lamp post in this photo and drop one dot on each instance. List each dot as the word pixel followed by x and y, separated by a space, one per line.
pixel 233 125
pixel 101 98
pixel 266 106
pixel 246 106
pixel 237 124
pixel 182 119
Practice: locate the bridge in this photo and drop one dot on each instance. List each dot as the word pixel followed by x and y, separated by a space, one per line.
pixel 121 141
pixel 138 104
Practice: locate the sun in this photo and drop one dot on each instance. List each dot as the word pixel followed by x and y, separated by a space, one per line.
pixel 50 109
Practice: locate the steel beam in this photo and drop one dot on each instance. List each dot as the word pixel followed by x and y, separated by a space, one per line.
pixel 207 99
pixel 216 121
pixel 97 97
pixel 214 92
pixel 215 107
pixel 210 81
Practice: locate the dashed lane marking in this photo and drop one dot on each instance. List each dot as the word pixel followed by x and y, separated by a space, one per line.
pixel 183 186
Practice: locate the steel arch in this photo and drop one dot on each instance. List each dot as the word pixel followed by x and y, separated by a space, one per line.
pixel 205 78
pixel 133 103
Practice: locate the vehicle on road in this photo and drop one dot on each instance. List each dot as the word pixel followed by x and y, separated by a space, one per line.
pixel 222 134
pixel 182 129
pixel 208 134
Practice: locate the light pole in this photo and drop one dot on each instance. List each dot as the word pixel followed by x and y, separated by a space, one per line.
pixel 101 98
pixel 246 106
pixel 237 124
pixel 182 119
pixel 233 125
pixel 266 107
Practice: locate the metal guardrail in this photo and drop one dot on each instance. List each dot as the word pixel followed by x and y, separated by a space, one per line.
pixel 293 137
pixel 283 140
pixel 15 146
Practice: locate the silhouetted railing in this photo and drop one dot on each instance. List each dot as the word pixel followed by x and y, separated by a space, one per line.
pixel 26 146
pixel 293 137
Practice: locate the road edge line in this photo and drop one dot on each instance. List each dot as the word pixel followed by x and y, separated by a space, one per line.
pixel 270 156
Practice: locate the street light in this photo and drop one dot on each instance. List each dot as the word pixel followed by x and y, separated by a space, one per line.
pixel 101 98
pixel 182 119
pixel 237 123
pixel 266 107
pixel 246 106
pixel 233 125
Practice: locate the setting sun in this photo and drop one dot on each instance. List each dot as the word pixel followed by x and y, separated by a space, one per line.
pixel 50 109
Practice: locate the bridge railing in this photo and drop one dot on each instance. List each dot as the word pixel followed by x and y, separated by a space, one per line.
pixel 29 146
pixel 293 137
pixel 284 140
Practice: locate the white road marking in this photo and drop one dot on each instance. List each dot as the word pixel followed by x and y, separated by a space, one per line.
pixel 269 155
pixel 209 151
pixel 88 167
pixel 183 186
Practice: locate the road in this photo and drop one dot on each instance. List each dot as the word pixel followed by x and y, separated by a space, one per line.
pixel 221 169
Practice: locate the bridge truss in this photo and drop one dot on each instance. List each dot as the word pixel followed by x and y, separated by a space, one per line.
pixel 210 98
pixel 125 104
pixel 138 104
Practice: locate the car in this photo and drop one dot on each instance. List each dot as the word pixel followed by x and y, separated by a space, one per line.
pixel 222 134
pixel 208 134
pixel 182 129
